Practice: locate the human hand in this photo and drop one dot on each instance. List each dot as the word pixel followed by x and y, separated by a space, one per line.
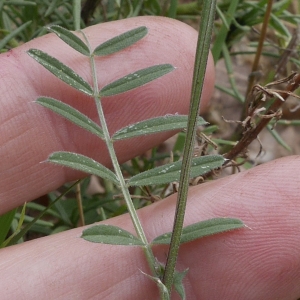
pixel 257 263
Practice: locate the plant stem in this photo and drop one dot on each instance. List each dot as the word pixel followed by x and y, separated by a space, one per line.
pixel 257 55
pixel 79 204
pixel 76 17
pixel 204 38
pixel 76 14
pixel 131 209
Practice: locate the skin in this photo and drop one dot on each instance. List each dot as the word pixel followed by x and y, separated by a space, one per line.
pixel 260 261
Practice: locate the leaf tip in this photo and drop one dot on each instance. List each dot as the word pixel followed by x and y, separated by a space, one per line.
pixel 29 51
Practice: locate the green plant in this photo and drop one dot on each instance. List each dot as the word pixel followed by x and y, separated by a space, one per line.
pixel 239 19
pixel 235 18
pixel 163 174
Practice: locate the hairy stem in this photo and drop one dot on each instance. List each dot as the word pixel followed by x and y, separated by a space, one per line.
pixel 204 38
pixel 76 14
pixel 76 17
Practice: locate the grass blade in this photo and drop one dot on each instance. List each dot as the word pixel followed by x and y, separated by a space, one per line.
pixel 71 114
pixel 82 163
pixel 5 224
pixel 134 80
pixel 51 8
pixel 154 125
pixel 70 38
pixel 279 26
pixel 222 34
pixel 278 138
pixel 171 172
pixel 112 235
pixel 61 71
pixel 18 235
pixel 14 33
pixel 201 229
pixel 121 42
pixel 17 229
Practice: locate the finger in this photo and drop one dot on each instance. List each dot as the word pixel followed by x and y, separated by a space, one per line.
pixel 260 261
pixel 29 133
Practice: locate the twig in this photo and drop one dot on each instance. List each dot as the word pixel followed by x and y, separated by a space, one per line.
pixel 252 134
pixel 259 51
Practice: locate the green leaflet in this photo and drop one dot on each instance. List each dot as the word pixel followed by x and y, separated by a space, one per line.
pixel 121 41
pixel 82 163
pixel 70 38
pixel 61 71
pixel 171 172
pixel 154 125
pixel 71 114
pixel 134 80
pixel 201 229
pixel 112 235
